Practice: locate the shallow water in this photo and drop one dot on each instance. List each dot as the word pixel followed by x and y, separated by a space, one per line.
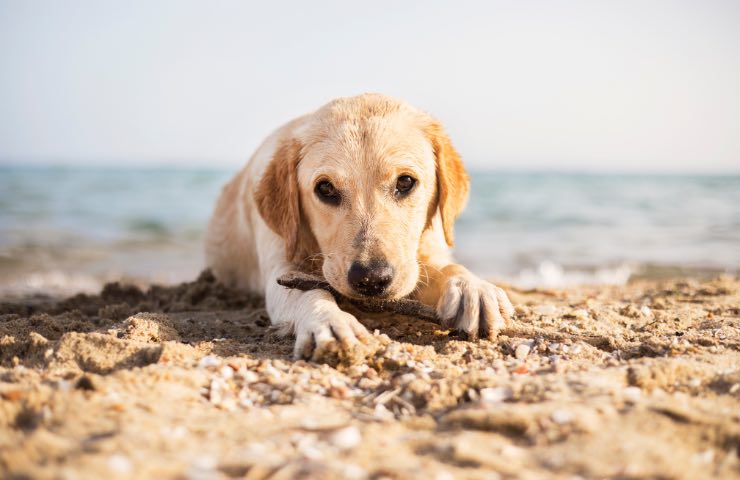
pixel 68 229
pixel 556 228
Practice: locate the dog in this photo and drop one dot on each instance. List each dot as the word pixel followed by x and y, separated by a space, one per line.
pixel 365 192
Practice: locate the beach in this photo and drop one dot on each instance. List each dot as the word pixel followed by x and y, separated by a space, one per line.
pixel 582 158
pixel 190 381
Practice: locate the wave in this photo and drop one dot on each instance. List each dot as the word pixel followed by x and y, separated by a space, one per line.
pixel 552 275
pixel 52 283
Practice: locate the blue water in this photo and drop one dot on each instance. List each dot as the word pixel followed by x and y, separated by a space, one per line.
pixel 72 228
pixel 600 224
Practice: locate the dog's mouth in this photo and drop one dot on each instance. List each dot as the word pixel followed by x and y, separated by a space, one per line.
pixel 345 290
pixel 385 296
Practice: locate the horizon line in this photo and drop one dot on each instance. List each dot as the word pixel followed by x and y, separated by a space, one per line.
pixel 203 163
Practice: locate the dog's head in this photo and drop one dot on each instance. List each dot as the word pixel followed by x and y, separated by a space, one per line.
pixel 354 190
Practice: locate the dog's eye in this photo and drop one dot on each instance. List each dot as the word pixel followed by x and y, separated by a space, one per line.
pixel 404 185
pixel 327 193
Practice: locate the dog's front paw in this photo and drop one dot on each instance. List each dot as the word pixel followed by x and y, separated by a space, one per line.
pixel 333 337
pixel 474 306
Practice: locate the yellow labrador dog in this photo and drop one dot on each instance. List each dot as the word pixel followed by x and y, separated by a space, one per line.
pixel 364 191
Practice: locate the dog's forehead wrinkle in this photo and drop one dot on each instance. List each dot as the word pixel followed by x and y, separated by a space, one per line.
pixel 375 135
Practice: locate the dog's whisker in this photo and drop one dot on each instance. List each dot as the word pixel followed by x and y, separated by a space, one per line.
pixel 316 256
pixel 427 266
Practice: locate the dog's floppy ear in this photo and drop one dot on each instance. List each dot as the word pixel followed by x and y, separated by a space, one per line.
pixel 277 195
pixel 452 179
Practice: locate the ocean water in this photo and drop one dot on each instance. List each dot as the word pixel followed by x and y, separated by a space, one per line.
pixel 67 229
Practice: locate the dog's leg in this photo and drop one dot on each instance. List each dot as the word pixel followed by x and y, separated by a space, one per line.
pixel 463 300
pixel 321 328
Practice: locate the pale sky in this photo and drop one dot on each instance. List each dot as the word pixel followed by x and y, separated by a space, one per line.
pixel 615 86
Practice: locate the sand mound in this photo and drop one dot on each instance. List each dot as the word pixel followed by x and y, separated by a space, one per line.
pixel 190 381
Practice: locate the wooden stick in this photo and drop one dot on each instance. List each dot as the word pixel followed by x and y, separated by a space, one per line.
pixel 404 306
pixel 413 308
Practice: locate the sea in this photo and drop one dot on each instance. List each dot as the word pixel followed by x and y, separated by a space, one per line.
pixel 71 229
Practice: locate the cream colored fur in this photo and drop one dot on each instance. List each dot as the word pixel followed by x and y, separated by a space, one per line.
pixel 269 221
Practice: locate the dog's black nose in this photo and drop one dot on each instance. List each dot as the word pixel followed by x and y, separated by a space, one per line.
pixel 370 280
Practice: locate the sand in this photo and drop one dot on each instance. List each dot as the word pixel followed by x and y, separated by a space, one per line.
pixel 640 381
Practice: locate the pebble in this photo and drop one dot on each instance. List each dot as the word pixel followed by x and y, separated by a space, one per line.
pixel 406 378
pixel 382 413
pixel 352 471
pixel 546 310
pixel 176 432
pixel 306 445
pixel 512 451
pixel 645 310
pixel 63 385
pixel 562 417
pixel 272 372
pixel 203 467
pixel 226 372
pixel 632 394
pixel 658 393
pixel 247 376
pixel 495 394
pixel 215 394
pixel 522 350
pixel 205 462
pixel 704 457
pixel 209 361
pixel 12 395
pixel 228 403
pixel 119 464
pixel 473 395
pixel 311 453
pixel 346 438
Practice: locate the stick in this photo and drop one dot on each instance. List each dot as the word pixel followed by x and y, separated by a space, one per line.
pixel 404 306
pixel 412 308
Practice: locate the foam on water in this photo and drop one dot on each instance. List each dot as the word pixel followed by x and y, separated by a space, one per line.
pixel 550 274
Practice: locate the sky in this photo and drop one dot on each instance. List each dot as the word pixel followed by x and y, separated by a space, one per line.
pixel 579 85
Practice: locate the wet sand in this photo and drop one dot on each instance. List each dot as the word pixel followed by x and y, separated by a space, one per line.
pixel 190 381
